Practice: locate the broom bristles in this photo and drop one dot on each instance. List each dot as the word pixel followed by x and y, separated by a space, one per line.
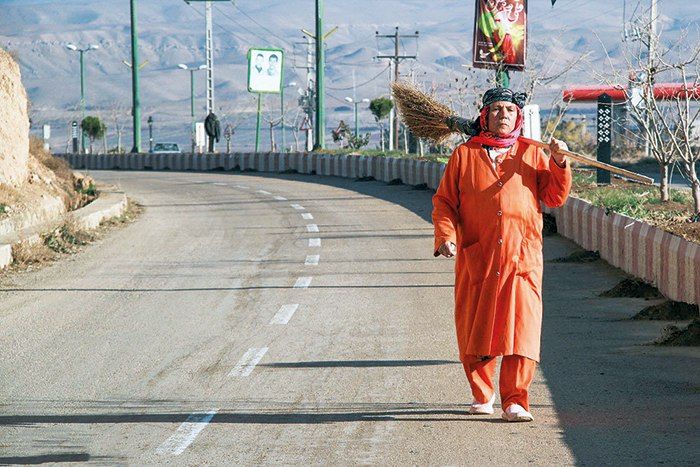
pixel 424 116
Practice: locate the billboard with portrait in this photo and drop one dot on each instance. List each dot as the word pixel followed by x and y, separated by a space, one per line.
pixel 265 68
pixel 500 34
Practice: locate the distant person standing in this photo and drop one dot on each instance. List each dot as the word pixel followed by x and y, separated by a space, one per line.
pixel 212 127
pixel 487 213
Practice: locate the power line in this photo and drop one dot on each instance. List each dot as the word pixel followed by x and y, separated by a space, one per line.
pixel 233 33
pixel 233 20
pixel 262 26
pixel 558 12
pixel 362 84
pixel 396 58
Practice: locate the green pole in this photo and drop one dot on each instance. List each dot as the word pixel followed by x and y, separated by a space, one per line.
pixel 136 97
pixel 82 98
pixel 193 129
pixel 284 134
pixel 355 119
pixel 320 88
pixel 503 78
pixel 257 126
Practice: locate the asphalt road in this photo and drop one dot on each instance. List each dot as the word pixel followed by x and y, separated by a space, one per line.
pixel 205 333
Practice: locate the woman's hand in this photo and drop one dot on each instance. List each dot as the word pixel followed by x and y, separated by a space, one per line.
pixel 448 249
pixel 555 146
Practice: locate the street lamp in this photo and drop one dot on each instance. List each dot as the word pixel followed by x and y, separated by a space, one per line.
pixel 355 103
pixel 150 133
pixel 192 70
pixel 284 133
pixel 75 48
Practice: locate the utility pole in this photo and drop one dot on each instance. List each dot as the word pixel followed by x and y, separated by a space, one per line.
pixel 320 80
pixel 82 95
pixel 209 49
pixel 320 37
pixel 396 58
pixel 306 100
pixel 135 90
pixel 209 45
pixel 309 94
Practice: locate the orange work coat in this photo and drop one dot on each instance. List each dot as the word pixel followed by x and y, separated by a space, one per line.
pixel 494 218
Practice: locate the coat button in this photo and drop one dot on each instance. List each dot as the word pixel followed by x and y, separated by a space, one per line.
pixel 498 274
pixel 499 213
pixel 500 183
pixel 500 241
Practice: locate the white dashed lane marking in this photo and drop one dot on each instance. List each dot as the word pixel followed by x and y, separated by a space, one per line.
pixel 186 433
pixel 263 192
pixel 311 228
pixel 247 363
pixel 284 314
pixel 314 242
pixel 298 207
pixel 280 198
pixel 302 283
pixel 307 216
pixel 220 184
pixel 312 260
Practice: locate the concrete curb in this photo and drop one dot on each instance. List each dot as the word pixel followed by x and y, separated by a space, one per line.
pixel 110 204
pixel 669 262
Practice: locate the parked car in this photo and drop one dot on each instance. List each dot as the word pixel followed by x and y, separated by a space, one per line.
pixel 166 148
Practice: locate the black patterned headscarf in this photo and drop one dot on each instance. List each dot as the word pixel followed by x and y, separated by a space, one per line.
pixel 503 94
pixel 473 127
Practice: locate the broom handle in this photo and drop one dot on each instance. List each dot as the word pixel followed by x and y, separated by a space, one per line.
pixel 592 162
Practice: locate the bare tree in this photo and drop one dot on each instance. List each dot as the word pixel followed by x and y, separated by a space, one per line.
pixel 664 121
pixel 272 123
pixel 680 130
pixel 296 123
pixel 118 113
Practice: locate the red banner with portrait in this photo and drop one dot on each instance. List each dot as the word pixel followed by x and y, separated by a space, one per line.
pixel 500 34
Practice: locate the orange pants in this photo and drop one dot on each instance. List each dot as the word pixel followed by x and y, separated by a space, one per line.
pixel 514 381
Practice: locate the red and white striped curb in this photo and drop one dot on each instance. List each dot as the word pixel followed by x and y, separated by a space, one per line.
pixel 669 262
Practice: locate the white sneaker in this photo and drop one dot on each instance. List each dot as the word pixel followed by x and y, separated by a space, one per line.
pixel 517 413
pixel 483 409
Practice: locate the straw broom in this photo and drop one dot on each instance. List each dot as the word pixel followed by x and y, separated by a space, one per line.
pixel 432 120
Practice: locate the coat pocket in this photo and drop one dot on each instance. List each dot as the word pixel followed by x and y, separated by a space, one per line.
pixel 530 258
pixel 473 259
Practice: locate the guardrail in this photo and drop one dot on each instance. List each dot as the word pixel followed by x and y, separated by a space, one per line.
pixel 669 262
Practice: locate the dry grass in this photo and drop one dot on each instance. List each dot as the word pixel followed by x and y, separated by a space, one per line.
pixel 60 168
pixel 28 253
pixel 68 238
pixel 8 195
pixel 65 240
pixel 131 213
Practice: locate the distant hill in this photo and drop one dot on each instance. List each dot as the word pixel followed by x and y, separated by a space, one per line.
pixel 171 32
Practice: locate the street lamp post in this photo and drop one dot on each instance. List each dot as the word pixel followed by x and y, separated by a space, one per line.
pixel 150 133
pixel 356 103
pixel 75 48
pixel 192 70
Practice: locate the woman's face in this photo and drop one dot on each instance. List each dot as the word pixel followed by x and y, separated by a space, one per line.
pixel 502 117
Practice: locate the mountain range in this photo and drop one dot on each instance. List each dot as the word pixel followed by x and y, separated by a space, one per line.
pixel 171 32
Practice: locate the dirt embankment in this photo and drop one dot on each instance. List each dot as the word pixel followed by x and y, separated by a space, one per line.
pixel 33 183
pixel 14 124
